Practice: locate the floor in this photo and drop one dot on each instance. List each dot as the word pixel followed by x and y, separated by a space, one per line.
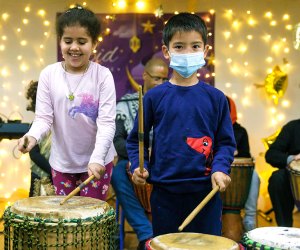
pixel 131 239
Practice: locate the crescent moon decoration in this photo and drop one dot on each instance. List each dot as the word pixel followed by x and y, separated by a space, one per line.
pixel 133 83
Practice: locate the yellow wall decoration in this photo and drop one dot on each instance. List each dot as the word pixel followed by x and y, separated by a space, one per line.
pixel 267 141
pixel 276 83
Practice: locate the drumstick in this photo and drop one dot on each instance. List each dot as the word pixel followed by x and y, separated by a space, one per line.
pixel 198 208
pixel 26 142
pixel 141 131
pixel 76 190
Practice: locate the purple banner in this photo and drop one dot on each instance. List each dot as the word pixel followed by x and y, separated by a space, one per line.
pixel 130 40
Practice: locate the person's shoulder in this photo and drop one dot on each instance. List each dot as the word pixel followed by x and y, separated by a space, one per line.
pixel 159 88
pixel 53 66
pixel 293 123
pixel 210 88
pixel 97 66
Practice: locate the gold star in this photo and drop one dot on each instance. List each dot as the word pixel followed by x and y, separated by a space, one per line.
pixel 148 26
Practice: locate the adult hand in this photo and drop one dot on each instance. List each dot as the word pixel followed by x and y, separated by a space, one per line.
pixel 140 178
pixel 96 169
pixel 26 143
pixel 220 179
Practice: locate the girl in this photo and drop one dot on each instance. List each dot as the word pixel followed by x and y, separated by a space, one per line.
pixel 76 99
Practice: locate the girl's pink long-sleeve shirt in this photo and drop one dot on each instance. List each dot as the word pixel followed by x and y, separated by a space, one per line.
pixel 82 129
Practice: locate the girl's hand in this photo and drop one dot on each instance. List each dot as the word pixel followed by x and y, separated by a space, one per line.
pixel 96 169
pixel 26 143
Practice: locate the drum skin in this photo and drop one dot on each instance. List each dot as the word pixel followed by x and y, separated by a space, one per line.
pixel 42 223
pixel 191 241
pixel 277 238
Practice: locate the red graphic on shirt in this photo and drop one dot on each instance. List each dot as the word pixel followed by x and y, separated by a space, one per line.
pixel 202 145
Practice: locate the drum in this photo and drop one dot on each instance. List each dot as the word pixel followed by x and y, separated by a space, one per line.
pixel 236 194
pixel 142 192
pixel 294 170
pixel 191 241
pixel 272 238
pixel 42 223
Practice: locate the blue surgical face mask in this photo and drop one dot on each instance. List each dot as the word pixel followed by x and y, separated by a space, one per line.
pixel 187 64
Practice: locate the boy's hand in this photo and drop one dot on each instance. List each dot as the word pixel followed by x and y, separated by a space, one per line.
pixel 220 179
pixel 26 143
pixel 140 178
pixel 96 169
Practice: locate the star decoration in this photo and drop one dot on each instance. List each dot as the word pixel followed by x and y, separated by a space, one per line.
pixel 211 59
pixel 159 12
pixel 148 26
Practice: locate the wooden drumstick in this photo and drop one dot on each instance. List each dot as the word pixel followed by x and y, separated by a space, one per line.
pixel 26 142
pixel 198 208
pixel 76 190
pixel 141 131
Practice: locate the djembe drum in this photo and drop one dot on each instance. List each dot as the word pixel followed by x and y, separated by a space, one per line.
pixel 142 192
pixel 191 241
pixel 42 223
pixel 235 197
pixel 294 170
pixel 277 238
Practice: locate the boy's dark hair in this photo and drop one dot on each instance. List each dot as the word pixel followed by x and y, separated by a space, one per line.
pixel 184 22
pixel 31 95
pixel 82 16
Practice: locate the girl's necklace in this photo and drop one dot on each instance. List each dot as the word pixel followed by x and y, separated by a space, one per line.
pixel 71 96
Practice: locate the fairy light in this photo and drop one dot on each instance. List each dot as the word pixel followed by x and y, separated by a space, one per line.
pixel 273 23
pixel 27 9
pixel 5 16
pixel 268 14
pixel 41 13
pixel 46 23
pixel 286 17
pixel 212 11
pixel 285 103
pixel 227 34
pixel 228 85
pixel 269 59
pixel 25 21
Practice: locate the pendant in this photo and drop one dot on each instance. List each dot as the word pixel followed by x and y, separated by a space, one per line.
pixel 71 97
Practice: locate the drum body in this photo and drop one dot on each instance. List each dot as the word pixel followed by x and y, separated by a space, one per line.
pixel 143 193
pixel 272 238
pixel 236 194
pixel 294 170
pixel 42 223
pixel 191 241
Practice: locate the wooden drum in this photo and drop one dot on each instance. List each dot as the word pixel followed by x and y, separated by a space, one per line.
pixel 236 194
pixel 143 193
pixel 42 223
pixel 191 241
pixel 294 170
pixel 266 238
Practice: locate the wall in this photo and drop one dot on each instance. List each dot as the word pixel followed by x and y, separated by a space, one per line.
pixel 245 53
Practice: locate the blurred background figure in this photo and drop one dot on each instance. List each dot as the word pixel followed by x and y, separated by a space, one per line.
pixel 282 152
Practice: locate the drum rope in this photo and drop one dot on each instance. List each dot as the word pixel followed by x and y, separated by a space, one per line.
pixel 102 231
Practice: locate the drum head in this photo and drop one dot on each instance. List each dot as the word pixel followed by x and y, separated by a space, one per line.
pixel 48 207
pixel 295 165
pixel 192 241
pixel 273 237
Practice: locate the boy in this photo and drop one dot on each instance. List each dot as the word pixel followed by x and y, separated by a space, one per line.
pixel 193 141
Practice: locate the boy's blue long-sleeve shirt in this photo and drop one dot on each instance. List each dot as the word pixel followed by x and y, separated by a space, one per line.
pixel 192 136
